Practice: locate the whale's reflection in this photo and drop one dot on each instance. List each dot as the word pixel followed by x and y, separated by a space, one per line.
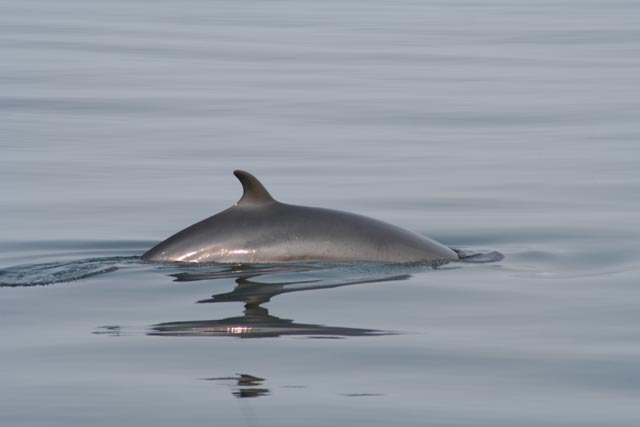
pixel 244 385
pixel 251 291
pixel 256 322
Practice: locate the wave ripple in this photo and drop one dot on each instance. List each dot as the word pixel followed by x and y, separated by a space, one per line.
pixel 58 272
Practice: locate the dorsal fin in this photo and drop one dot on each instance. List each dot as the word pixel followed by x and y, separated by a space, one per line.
pixel 254 192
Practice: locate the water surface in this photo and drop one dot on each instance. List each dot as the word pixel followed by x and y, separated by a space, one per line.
pixel 487 125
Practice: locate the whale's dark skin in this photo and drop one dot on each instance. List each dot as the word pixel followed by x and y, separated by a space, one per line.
pixel 259 230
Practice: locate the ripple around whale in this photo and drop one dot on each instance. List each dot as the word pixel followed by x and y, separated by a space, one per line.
pixel 48 273
pixel 589 261
pixel 59 272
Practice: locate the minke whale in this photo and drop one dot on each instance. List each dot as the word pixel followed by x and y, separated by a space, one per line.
pixel 260 230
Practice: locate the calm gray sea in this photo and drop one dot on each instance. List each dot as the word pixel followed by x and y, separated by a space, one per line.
pixel 487 125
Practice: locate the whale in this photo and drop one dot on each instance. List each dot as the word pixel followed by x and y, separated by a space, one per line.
pixel 258 229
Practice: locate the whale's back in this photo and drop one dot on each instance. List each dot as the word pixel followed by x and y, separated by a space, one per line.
pixel 280 232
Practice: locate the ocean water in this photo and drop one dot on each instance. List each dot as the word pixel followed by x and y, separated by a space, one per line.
pixel 500 125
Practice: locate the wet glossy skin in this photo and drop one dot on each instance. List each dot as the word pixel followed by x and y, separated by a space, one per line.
pixel 261 230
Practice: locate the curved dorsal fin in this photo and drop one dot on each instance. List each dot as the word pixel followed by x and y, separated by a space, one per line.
pixel 254 192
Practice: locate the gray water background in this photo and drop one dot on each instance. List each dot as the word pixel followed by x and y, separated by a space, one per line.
pixel 487 125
